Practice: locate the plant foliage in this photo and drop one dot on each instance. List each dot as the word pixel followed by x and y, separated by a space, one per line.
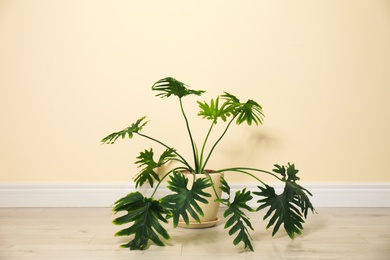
pixel 149 165
pixel 238 221
pixel 145 215
pixel 170 86
pixel 288 208
pixel 129 131
pixel 186 201
pixel 212 110
pixel 248 112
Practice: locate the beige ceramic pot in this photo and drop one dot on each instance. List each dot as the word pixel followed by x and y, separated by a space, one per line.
pixel 210 210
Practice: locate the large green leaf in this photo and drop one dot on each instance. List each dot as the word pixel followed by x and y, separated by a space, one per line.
pixel 145 215
pixel 146 160
pixel 297 191
pixel 289 208
pixel 184 200
pixel 249 112
pixel 238 221
pixel 170 86
pixel 129 131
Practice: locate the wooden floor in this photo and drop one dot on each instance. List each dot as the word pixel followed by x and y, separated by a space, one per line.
pixel 87 233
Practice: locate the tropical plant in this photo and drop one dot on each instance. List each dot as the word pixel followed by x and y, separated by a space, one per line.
pixel 146 214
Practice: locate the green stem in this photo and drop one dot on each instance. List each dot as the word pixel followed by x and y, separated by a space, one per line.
pixel 212 184
pixel 204 145
pixel 166 146
pixel 219 139
pixel 166 175
pixel 196 162
pixel 245 171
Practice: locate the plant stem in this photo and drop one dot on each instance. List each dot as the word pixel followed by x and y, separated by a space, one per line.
pixel 212 184
pixel 204 145
pixel 245 171
pixel 219 139
pixel 166 175
pixel 196 161
pixel 166 146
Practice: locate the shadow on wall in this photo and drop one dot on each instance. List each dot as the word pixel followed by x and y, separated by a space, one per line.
pixel 253 148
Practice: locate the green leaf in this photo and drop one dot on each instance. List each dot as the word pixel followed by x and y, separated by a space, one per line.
pixel 249 112
pixel 281 211
pixel 146 160
pixel 232 99
pixel 129 131
pixel 288 208
pixel 147 174
pixel 225 186
pixel 213 111
pixel 281 170
pixel 238 221
pixel 300 197
pixel 170 86
pixel 292 173
pixel 166 156
pixel 185 201
pixel 145 215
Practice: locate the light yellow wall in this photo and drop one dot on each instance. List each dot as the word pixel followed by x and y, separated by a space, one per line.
pixel 74 71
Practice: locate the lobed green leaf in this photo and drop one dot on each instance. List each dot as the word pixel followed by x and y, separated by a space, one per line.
pixel 146 160
pixel 213 111
pixel 185 200
pixel 145 215
pixel 249 112
pixel 289 208
pixel 130 131
pixel 238 221
pixel 170 86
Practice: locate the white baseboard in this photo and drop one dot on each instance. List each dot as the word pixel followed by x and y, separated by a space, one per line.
pixel 104 195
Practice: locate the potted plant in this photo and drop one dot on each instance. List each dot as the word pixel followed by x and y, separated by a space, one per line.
pixel 146 214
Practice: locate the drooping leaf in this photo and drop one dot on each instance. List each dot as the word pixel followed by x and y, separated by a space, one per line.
pixel 129 131
pixel 186 201
pixel 146 175
pixel 289 208
pixel 300 197
pixel 281 211
pixel 170 86
pixel 238 221
pixel 145 215
pixel 249 112
pixel 225 188
pixel 232 99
